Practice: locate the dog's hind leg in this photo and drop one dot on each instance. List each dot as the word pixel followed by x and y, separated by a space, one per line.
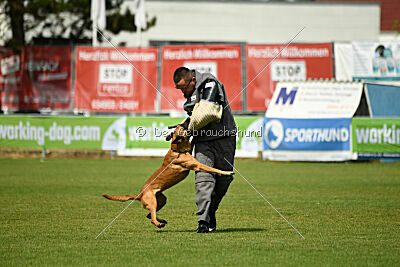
pixel 161 201
pixel 149 202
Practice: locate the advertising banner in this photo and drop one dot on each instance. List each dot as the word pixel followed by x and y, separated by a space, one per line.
pixel 106 82
pixel 38 78
pixel 315 100
pixel 59 132
pixel 376 138
pixel 150 132
pixel 376 60
pixel 344 69
pixel 223 61
pixel 307 139
pixel 107 133
pixel 265 66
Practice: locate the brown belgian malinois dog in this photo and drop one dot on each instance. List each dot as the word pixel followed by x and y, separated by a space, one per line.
pixel 176 166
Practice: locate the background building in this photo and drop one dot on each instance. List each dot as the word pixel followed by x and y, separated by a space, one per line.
pixel 256 22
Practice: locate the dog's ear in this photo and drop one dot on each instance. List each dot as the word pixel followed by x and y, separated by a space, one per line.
pixel 185 124
pixel 177 140
pixel 169 136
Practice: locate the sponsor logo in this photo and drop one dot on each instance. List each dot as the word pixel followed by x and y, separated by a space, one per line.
pixel 115 136
pixel 41 66
pixel 9 64
pixel 316 135
pixel 24 131
pixel 384 135
pixel 287 96
pixel 288 71
pixel 274 133
pixel 115 80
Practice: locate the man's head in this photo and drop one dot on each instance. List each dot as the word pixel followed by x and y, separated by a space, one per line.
pixel 184 80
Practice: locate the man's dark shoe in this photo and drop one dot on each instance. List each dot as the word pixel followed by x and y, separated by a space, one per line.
pixel 213 222
pixel 203 227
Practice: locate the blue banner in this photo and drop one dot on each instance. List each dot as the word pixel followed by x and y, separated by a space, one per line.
pixel 383 100
pixel 307 134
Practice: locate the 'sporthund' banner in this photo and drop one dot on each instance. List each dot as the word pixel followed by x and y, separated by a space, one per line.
pixel 223 61
pixel 315 99
pixel 376 138
pixel 106 81
pixel 268 64
pixel 307 139
pixel 38 78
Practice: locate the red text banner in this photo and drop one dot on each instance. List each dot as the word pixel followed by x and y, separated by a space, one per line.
pixel 106 82
pixel 297 62
pixel 223 61
pixel 38 78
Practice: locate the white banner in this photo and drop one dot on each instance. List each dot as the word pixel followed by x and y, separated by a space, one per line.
pixel 315 100
pixel 376 60
pixel 344 69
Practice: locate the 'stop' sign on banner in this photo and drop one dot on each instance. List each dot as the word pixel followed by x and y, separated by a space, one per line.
pixel 315 100
pixel 223 61
pixel 107 82
pixel 39 77
pixel 297 62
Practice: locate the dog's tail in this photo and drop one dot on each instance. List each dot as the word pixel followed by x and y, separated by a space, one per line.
pixel 122 197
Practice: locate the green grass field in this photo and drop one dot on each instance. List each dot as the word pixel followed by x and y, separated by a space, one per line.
pixel 51 213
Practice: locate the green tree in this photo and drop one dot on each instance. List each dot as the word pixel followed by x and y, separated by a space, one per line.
pixel 67 19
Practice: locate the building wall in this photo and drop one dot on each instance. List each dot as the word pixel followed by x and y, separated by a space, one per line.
pixel 255 22
pixel 390 11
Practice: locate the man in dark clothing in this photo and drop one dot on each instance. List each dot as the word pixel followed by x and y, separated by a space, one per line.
pixel 214 136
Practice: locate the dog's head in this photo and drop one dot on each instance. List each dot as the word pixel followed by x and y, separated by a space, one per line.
pixel 180 139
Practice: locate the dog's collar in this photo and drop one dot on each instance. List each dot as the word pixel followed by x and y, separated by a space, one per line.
pixel 180 152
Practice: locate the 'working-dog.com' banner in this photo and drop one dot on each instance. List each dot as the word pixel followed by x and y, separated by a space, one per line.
pixel 376 138
pixel 107 133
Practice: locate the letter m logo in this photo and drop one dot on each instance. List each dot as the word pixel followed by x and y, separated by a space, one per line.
pixel 286 96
